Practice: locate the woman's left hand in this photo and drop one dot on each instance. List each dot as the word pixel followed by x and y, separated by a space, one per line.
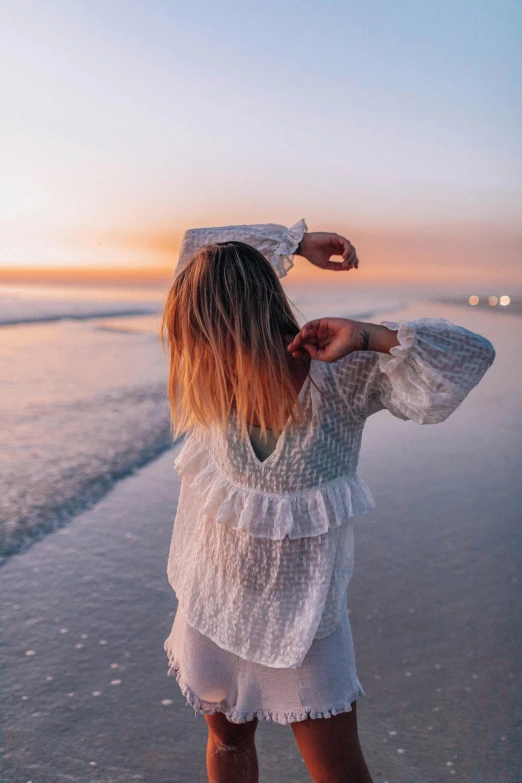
pixel 318 246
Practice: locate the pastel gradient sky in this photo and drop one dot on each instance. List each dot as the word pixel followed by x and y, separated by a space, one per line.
pixel 397 124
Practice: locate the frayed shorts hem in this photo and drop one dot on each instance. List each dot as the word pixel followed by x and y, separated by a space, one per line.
pixel 239 716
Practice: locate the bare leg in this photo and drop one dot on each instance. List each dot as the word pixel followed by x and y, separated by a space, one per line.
pixel 231 750
pixel 331 748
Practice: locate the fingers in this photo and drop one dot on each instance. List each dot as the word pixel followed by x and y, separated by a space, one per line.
pixel 350 260
pixel 306 340
pixel 308 331
pixel 298 342
pixel 315 339
pixel 304 348
pixel 336 266
pixel 311 350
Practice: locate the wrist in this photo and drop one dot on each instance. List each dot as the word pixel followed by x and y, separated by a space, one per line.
pixel 375 337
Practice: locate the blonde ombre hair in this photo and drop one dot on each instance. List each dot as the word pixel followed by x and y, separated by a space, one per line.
pixel 225 326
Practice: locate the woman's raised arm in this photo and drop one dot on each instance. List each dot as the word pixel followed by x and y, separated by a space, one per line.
pixel 419 370
pixel 277 243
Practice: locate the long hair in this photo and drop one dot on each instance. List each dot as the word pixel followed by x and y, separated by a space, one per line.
pixel 225 326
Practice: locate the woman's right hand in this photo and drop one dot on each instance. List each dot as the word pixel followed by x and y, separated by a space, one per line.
pixel 327 339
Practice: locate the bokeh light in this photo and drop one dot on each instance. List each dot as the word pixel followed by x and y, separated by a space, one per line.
pixel 473 300
pixel 504 300
pixel 493 300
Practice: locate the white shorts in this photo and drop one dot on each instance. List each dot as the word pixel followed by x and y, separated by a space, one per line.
pixel 215 680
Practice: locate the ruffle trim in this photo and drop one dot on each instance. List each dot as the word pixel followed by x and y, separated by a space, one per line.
pixel 282 259
pixel 302 514
pixel 407 337
pixel 240 716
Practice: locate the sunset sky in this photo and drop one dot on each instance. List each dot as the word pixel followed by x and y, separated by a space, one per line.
pixel 397 124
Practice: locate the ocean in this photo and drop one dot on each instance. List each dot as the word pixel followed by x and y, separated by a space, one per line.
pixel 83 398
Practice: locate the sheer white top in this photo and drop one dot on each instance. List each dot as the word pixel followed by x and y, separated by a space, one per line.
pixel 262 551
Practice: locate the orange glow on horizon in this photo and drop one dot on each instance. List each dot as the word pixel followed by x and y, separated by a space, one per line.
pixel 453 249
pixel 86 275
pixel 431 254
pixel 389 273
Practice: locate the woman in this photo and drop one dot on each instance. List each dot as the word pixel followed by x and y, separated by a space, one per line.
pixel 262 549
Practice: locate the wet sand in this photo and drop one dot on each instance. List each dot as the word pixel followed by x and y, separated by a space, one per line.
pixel 435 611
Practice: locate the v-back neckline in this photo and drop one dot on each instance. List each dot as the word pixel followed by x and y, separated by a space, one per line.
pixel 282 434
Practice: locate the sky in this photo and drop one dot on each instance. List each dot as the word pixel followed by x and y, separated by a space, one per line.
pixel 397 124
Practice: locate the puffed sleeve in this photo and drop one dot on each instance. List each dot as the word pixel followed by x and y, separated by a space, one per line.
pixel 277 243
pixel 424 378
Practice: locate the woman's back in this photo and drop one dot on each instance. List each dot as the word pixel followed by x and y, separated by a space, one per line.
pixel 262 446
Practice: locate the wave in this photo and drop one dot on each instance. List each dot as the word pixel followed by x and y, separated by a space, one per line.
pixel 18 318
pixel 90 445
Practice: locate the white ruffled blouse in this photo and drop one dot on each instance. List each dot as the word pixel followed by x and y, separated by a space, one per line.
pixel 262 551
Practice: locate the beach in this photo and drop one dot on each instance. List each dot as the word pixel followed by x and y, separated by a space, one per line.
pixel 434 602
